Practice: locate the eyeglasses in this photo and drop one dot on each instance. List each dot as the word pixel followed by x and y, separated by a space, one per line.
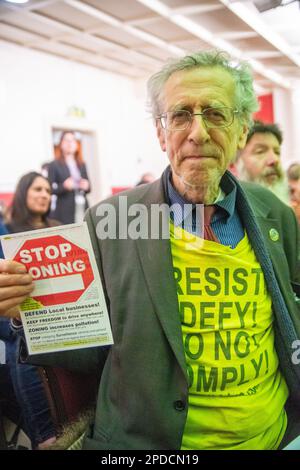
pixel 181 119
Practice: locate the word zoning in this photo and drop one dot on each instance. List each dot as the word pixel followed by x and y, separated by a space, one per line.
pixel 46 255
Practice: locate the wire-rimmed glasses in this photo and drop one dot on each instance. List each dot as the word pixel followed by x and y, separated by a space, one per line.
pixel 213 117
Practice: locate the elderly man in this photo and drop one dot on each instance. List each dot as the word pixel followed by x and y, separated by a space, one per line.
pixel 259 161
pixel 203 332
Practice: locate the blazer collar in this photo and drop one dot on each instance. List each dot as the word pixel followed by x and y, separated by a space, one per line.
pixel 156 260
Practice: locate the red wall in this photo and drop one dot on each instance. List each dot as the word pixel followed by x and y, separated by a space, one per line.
pixel 119 189
pixel 6 198
pixel 266 112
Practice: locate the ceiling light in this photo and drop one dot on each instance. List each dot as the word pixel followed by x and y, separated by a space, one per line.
pixel 17 1
pixel 264 5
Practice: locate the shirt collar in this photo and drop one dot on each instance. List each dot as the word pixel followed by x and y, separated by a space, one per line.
pixel 225 201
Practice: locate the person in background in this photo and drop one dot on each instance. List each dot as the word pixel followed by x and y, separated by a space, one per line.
pixel 69 181
pixel 259 161
pixel 293 175
pixel 44 169
pixel 3 210
pixel 29 211
pixel 31 204
pixel 146 178
pixel 3 231
pixel 8 400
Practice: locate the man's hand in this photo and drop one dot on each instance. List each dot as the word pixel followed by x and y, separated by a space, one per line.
pixel 15 286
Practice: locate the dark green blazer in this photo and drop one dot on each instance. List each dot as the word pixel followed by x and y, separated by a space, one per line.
pixel 143 394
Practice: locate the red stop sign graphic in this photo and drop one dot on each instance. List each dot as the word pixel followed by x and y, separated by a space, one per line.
pixel 56 258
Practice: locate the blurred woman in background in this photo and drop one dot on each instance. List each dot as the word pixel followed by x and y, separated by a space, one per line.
pixel 31 204
pixel 29 211
pixel 69 181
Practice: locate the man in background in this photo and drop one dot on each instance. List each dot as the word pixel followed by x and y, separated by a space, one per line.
pixel 259 161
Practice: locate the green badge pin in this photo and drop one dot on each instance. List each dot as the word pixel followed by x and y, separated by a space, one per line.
pixel 274 235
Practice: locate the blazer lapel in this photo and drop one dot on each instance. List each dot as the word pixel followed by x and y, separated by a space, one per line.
pixel 272 235
pixel 157 265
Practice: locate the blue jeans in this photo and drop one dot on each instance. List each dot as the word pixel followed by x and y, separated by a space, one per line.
pixel 29 390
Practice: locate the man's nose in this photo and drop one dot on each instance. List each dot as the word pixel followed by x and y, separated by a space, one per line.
pixel 198 130
pixel 272 158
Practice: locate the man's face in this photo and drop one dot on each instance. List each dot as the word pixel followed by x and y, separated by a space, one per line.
pixel 261 159
pixel 199 155
pixel 294 187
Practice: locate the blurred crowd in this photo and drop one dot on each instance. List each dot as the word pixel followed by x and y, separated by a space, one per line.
pixel 259 162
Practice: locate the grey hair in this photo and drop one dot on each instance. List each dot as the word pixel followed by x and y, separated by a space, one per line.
pixel 245 99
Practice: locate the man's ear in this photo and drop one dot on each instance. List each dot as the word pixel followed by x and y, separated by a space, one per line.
pixel 160 132
pixel 243 137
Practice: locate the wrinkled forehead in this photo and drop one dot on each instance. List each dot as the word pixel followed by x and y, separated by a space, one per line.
pixel 205 82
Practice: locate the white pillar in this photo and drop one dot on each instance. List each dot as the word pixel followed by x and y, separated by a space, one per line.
pixel 287 116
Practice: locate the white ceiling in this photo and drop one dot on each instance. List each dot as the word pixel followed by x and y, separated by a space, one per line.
pixel 135 37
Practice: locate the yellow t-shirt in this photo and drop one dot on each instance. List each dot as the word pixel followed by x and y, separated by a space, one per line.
pixel 236 391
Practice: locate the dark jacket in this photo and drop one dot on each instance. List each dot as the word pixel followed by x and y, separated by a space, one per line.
pixel 17 227
pixel 3 231
pixel 143 395
pixel 64 211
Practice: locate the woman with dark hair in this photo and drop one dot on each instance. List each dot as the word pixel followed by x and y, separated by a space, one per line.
pixel 29 211
pixel 69 181
pixel 31 204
